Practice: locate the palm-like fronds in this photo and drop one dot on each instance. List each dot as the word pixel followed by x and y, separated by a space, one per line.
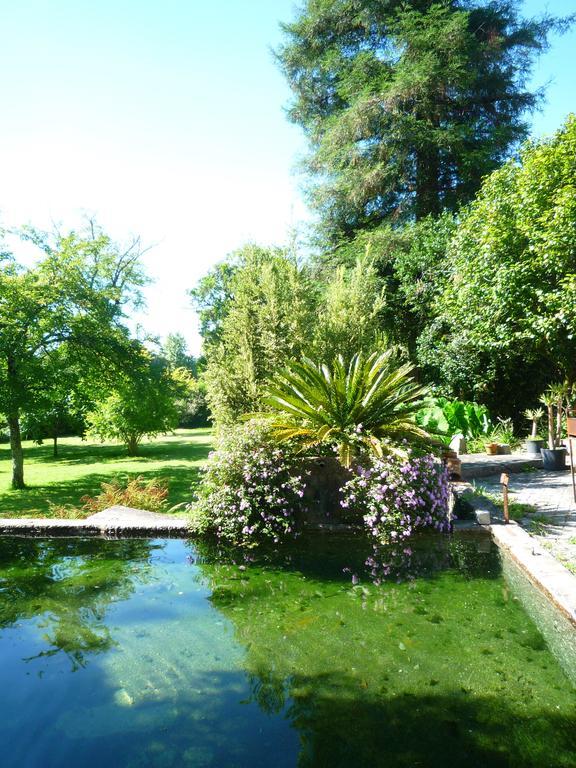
pixel 369 402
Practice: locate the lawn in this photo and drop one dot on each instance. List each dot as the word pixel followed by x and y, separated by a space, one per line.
pixel 83 465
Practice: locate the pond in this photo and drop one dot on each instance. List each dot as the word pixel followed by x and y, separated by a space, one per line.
pixel 161 653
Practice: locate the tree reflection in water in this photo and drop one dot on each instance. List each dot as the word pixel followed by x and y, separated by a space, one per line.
pixel 66 586
pixel 395 657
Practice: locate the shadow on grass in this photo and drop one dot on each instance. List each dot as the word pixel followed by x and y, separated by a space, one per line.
pixel 175 448
pixel 35 501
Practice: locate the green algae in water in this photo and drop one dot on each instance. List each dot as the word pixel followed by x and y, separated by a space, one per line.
pixel 166 653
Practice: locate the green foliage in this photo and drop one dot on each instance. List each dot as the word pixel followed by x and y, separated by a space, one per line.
pixel 69 305
pixel 350 312
pixel 505 324
pixel 213 294
pixel 368 403
pixel 277 311
pixel 265 322
pixel 534 415
pixel 142 403
pixel 407 106
pixel 555 400
pixel 444 417
pixel 175 352
pixel 412 267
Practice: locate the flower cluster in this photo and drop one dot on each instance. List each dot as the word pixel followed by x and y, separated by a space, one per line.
pixel 250 490
pixel 398 496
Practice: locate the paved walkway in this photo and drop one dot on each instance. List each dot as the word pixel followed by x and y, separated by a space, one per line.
pixel 553 521
pixel 481 465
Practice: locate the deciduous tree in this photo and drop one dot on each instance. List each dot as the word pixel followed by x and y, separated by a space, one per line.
pixel 74 295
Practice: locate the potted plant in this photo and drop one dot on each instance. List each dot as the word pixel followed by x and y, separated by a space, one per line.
pixel 554 457
pixel 535 443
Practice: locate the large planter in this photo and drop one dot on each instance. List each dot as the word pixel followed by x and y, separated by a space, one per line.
pixel 554 459
pixel 325 476
pixel 533 447
pixel 452 463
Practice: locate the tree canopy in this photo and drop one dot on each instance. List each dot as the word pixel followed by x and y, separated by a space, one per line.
pixel 407 106
pixel 143 401
pixel 505 323
pixel 73 298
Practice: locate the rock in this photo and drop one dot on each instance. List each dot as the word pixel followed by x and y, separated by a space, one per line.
pixel 458 444
pixel 123 698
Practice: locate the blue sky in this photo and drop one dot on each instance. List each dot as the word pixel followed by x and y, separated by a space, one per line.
pixel 165 119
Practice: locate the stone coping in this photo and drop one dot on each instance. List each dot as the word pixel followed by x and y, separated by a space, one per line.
pixel 543 570
pixel 115 521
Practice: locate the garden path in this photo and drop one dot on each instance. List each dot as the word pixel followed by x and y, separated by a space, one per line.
pixel 553 519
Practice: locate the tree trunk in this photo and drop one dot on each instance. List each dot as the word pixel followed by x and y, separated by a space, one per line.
pixel 427 182
pixel 132 445
pixel 55 446
pixel 17 453
pixel 551 431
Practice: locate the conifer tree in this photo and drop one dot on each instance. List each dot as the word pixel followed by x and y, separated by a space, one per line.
pixel 407 106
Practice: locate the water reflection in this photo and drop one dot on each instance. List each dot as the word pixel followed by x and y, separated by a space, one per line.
pixel 420 660
pixel 191 655
pixel 67 586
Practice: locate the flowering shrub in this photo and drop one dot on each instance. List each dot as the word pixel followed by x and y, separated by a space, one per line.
pixel 250 490
pixel 397 496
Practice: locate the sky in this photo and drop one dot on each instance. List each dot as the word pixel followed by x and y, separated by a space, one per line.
pixel 166 119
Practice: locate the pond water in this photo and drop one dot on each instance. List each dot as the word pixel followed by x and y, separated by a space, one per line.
pixel 161 653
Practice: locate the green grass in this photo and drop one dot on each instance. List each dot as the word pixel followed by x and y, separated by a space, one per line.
pixel 82 466
pixel 516 509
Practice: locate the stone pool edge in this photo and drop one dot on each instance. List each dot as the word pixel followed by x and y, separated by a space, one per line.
pixel 544 571
pixel 115 521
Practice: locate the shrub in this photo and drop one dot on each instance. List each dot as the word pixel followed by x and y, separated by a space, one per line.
pixel 251 490
pixel 366 403
pixel 397 497
pixel 446 418
pixel 138 493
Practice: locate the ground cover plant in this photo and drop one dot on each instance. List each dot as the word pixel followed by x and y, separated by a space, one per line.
pixel 83 466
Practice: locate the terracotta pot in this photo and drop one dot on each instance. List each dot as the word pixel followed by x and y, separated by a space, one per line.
pixel 492 449
pixel 571 426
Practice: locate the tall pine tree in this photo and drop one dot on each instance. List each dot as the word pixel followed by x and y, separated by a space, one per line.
pixel 407 105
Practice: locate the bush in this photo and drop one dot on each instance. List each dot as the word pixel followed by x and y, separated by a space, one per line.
pixel 251 489
pixel 396 497
pixel 446 418
pixel 137 493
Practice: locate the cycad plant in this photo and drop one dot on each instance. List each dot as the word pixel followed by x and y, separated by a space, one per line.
pixel 554 399
pixel 368 403
pixel 534 415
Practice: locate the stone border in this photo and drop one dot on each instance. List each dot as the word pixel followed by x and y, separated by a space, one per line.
pixel 115 521
pixel 542 569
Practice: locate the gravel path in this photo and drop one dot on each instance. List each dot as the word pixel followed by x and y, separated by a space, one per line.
pixel 553 522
